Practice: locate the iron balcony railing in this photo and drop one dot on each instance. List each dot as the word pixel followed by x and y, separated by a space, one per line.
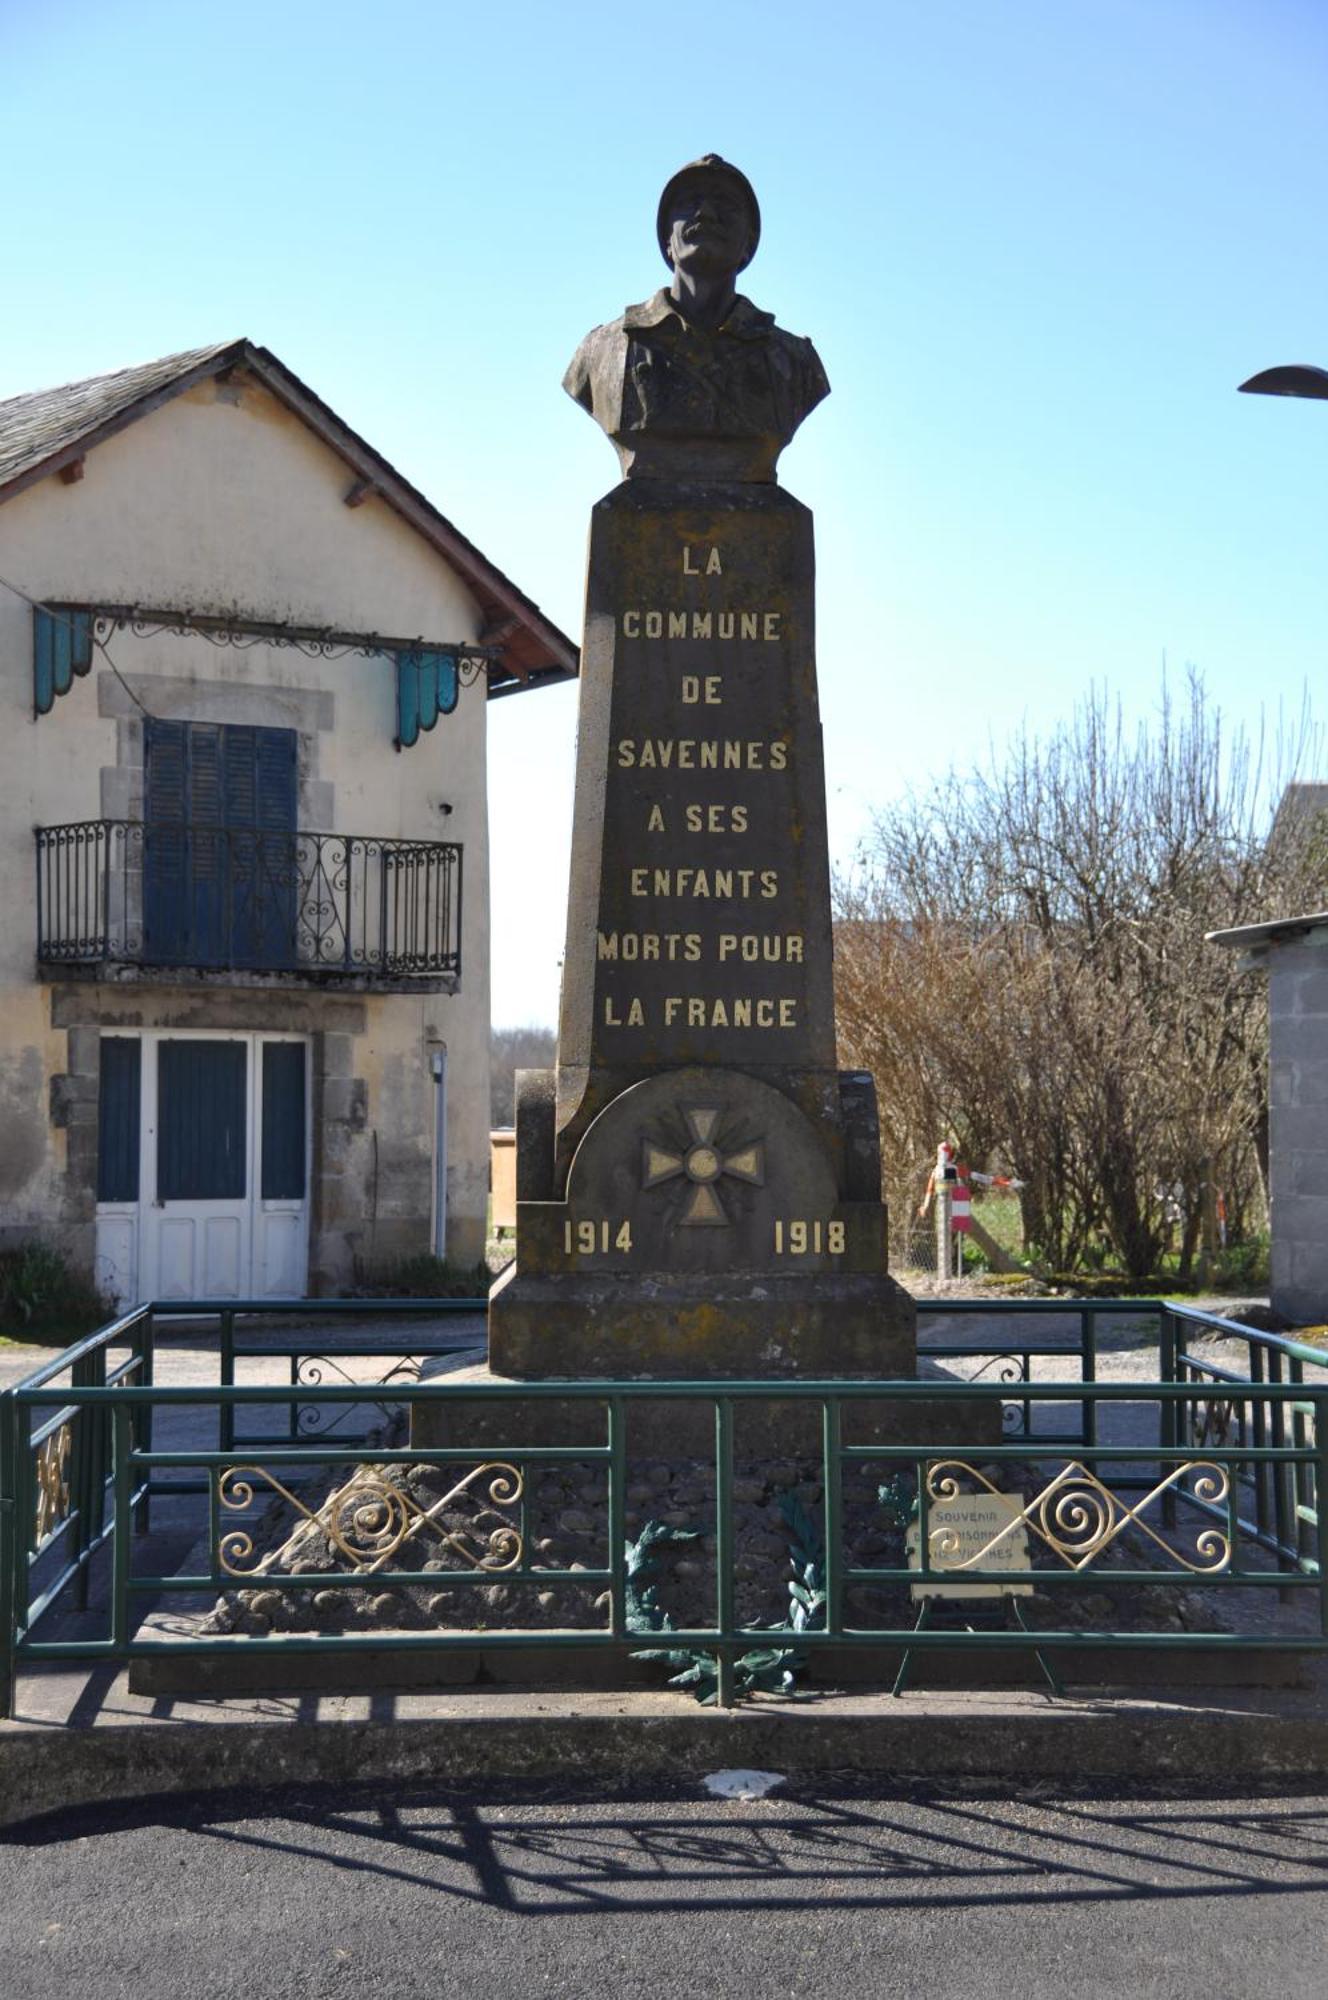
pixel 157 893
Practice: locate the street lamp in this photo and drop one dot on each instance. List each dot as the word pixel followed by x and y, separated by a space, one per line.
pixel 1297 379
pixel 1293 1247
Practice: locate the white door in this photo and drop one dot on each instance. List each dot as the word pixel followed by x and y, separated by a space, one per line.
pixel 198 1167
pixel 222 1203
pixel 281 1168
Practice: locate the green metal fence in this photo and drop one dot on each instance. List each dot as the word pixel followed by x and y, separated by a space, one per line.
pixel 1219 1492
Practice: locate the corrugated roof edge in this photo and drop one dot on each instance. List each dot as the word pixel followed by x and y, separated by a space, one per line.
pixel 1277 932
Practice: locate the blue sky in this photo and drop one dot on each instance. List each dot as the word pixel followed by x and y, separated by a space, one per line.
pixel 1037 243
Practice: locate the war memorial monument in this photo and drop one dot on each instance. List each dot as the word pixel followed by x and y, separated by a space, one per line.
pixel 698 1183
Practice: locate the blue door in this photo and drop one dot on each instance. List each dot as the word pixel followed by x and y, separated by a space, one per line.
pixel 219 863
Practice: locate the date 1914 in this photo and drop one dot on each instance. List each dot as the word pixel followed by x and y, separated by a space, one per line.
pixel 591 1238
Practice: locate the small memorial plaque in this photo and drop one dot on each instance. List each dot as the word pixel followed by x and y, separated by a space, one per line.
pixel 974 1528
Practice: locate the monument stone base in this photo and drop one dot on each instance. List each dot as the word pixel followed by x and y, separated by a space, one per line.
pixel 695 1327
pixel 664 1429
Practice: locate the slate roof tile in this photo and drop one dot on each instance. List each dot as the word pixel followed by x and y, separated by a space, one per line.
pixel 35 426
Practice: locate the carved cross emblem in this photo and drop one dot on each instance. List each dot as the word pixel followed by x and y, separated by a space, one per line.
pixel 704 1163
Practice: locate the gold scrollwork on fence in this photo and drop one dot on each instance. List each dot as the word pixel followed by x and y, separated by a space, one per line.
pixel 1078 1518
pixel 52 1469
pixel 370 1519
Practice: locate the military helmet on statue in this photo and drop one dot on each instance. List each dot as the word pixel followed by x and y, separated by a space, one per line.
pixel 710 167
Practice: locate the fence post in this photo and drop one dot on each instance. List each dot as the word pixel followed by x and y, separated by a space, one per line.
pixel 617 1518
pixel 9 1545
pixel 1302 1475
pixel 143 1412
pixel 832 1439
pixel 1088 1373
pixel 724 1547
pixel 1259 1426
pixel 122 1474
pixel 226 1362
pixel 1169 1417
pixel 1283 1516
pixel 1321 1500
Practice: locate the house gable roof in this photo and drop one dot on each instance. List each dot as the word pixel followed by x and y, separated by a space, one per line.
pixel 42 432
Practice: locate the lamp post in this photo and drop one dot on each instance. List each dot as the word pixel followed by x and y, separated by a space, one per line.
pixel 1299 1296
pixel 1298 378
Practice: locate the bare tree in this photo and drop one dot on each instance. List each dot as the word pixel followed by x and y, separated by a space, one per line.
pixel 1020 961
pixel 511 1049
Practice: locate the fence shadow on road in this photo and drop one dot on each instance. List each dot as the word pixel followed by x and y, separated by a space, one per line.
pixel 849 1844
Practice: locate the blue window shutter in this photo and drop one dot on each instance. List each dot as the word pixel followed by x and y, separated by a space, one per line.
pixel 202 1123
pixel 166 770
pixel 207 802
pixel 283 1121
pixel 118 1102
pixel 206 857
pixel 61 648
pixel 449 685
pixel 43 662
pixel 275 780
pixel 165 851
pixel 267 932
pixel 408 700
pixel 80 623
pixel 427 686
pixel 220 880
pixel 240 783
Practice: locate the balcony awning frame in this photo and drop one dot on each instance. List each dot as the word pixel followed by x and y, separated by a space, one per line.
pixel 429 672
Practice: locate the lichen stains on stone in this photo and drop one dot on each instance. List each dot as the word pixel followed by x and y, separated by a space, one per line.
pixel 22 1120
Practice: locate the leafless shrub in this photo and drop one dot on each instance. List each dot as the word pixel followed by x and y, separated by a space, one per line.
pixel 511 1049
pixel 1020 962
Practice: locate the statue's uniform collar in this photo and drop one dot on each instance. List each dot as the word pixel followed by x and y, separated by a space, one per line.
pixel 745 321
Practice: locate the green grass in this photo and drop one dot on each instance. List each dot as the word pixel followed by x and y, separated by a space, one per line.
pixel 43 1302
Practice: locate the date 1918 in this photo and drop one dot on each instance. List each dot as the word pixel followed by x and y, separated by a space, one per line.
pixel 808 1239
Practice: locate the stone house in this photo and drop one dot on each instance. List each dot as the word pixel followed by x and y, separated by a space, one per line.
pixel 244 670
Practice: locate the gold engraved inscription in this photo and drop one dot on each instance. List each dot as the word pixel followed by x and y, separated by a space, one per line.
pixel 650 947
pixel 662 623
pixel 701 753
pixel 596 1236
pixel 715 819
pixel 729 884
pixel 688 947
pixel 799 1238
pixel 697 1011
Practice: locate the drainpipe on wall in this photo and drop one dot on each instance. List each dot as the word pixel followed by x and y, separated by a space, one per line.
pixel 438 1065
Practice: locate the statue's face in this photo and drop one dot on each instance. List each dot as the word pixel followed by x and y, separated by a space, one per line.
pixel 710 229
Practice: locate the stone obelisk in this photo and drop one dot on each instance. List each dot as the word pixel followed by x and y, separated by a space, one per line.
pixel 698 1184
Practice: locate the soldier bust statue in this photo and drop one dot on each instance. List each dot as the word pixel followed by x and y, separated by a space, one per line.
pixel 697 384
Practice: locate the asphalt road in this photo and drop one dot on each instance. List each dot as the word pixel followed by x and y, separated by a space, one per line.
pixel 830 1888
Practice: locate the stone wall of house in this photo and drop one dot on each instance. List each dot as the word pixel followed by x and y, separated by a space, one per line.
pixel 222 502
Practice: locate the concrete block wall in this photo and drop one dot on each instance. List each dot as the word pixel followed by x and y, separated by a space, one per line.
pixel 1298 1110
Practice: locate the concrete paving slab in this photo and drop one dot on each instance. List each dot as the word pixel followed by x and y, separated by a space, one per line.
pixel 82 1738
